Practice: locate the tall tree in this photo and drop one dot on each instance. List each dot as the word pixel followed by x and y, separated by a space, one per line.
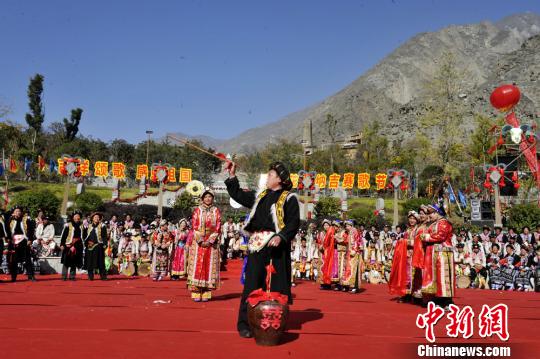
pixel 443 114
pixel 72 126
pixel 331 124
pixel 35 118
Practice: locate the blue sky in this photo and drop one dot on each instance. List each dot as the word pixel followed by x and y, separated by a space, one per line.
pixel 205 67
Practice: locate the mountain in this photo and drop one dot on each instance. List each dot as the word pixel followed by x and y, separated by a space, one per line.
pixel 206 140
pixel 391 92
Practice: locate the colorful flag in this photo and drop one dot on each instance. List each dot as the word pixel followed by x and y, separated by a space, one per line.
pixel 27 165
pixel 13 168
pixel 462 199
pixel 41 163
pixel 2 168
pixel 52 166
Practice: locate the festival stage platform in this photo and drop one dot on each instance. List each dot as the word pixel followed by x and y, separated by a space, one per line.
pixel 119 319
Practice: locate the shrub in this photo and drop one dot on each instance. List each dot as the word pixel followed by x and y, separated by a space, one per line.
pixel 414 204
pixel 363 215
pixel 34 200
pixel 523 215
pixel 88 202
pixel 328 207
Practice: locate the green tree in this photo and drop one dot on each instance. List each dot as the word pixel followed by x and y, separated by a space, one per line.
pixel 331 124
pixel 122 151
pixel 481 140
pixel 88 202
pixel 34 200
pixel 185 204
pixel 35 118
pixel 72 126
pixel 443 114
pixel 362 215
pixel 328 207
pixel 524 215
pixel 373 153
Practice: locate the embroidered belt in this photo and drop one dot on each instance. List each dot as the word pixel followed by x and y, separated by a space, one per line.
pixel 259 240
pixel 442 248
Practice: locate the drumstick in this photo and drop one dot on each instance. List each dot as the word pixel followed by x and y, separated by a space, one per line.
pixel 192 145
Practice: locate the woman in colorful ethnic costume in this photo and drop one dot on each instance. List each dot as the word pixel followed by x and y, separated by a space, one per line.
pixel 328 273
pixel 419 254
pixel 438 279
pixel 72 247
pixel 179 263
pixel 342 246
pixel 203 270
pixel 402 273
pixel 21 231
pixel 273 222
pixel 162 244
pixel 95 240
pixel 353 270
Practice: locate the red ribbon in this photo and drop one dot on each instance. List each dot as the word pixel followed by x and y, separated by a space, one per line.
pixel 260 295
pixel 269 271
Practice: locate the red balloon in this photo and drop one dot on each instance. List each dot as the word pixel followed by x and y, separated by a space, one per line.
pixel 505 97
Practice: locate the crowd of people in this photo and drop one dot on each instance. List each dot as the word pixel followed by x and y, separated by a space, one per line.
pixel 337 254
pixel 187 249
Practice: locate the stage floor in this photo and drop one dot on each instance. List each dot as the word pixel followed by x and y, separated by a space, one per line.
pixel 119 319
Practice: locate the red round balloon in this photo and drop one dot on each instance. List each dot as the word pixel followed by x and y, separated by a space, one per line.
pixel 505 97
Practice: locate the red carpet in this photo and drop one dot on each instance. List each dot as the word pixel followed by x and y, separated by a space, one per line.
pixel 118 319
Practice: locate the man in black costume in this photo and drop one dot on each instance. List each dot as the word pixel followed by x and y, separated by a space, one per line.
pixel 21 230
pixel 95 240
pixel 272 224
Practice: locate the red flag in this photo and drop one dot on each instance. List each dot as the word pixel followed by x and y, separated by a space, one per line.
pixel 13 168
pixel 41 163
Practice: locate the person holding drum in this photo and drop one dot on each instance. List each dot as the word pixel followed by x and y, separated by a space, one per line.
pixel 72 247
pixel 463 269
pixel 162 244
pixel 20 230
pixel 477 262
pixel 127 254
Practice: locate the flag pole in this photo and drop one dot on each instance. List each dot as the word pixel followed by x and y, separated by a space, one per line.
pixel 6 196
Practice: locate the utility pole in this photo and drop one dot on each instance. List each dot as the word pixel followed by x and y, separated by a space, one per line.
pixel 149 133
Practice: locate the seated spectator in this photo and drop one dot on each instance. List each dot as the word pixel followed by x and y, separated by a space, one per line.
pixel 44 242
pixel 524 271
pixel 508 267
pixel 492 241
pixel 496 280
pixel 526 238
pixel 476 240
pixel 484 236
pixel 536 236
pixel 501 237
pixel 512 241
pixel 461 260
pixel 477 263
